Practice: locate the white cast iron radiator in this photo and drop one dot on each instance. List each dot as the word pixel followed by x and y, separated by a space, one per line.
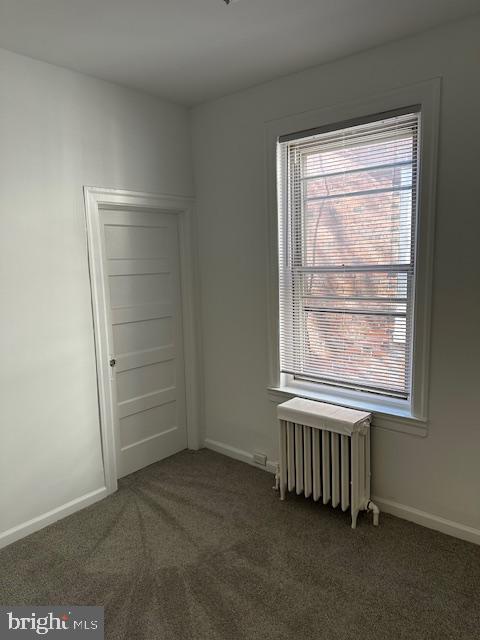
pixel 325 453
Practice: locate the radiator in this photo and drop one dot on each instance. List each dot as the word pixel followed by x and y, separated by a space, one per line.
pixel 325 455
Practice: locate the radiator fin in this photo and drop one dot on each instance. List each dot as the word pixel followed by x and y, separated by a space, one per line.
pixel 291 456
pixel 326 466
pixel 345 471
pixel 316 465
pixel 299 458
pixel 335 460
pixel 307 461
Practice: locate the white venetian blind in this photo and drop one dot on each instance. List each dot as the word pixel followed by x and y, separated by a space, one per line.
pixel 348 197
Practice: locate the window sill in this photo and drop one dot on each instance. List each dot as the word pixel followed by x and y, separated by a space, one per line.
pixel 390 419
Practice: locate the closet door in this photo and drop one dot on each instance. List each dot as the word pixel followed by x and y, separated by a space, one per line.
pixel 148 378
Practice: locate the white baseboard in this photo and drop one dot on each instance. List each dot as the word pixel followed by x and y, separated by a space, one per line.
pixel 451 528
pixel 455 529
pixel 238 454
pixel 26 528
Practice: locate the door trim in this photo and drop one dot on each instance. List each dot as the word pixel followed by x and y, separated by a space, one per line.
pixel 97 198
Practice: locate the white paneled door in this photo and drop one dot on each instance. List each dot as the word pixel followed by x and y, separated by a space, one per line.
pixel 141 266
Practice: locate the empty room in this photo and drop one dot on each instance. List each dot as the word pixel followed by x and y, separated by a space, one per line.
pixel 240 319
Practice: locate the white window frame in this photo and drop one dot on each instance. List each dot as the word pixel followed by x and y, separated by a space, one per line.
pixel 392 413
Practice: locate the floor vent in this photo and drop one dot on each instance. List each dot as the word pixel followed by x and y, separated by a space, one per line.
pixel 325 454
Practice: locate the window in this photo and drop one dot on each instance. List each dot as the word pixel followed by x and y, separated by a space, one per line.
pixel 347 250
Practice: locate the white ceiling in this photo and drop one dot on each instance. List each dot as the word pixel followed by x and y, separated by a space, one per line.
pixel 190 51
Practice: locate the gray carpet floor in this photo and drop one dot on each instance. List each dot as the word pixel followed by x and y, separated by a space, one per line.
pixel 199 547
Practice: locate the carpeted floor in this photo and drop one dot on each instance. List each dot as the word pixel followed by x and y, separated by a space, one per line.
pixel 200 547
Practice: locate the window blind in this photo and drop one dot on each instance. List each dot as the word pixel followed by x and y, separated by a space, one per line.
pixel 347 206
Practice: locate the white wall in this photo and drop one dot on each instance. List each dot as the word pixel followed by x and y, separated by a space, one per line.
pixel 426 479
pixel 60 130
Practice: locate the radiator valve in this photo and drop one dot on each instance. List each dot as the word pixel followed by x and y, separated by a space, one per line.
pixel 371 506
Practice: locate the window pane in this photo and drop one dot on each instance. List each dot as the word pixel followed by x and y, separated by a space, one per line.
pixel 354 348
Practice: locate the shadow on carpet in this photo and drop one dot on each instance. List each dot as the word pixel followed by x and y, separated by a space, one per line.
pixel 199 547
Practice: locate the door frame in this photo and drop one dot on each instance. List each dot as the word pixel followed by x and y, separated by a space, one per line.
pixel 97 198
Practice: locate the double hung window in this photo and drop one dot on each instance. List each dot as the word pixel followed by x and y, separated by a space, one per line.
pixel 347 252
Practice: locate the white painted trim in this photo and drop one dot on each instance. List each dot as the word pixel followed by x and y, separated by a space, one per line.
pixel 238 454
pixel 96 198
pixel 427 94
pixel 35 524
pixel 429 520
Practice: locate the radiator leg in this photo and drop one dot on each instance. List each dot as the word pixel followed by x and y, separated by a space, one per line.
pixel 354 518
pixel 371 506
